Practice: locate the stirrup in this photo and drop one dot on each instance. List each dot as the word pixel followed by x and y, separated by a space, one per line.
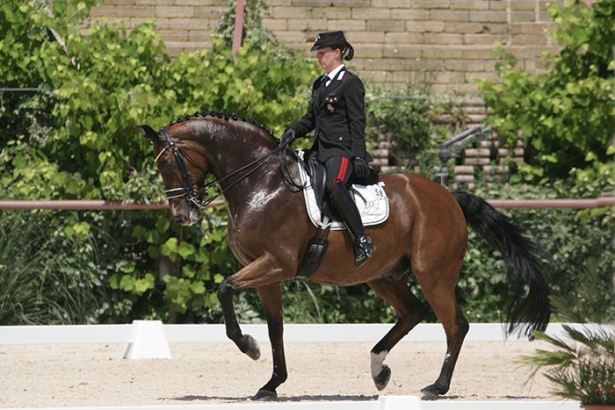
pixel 363 248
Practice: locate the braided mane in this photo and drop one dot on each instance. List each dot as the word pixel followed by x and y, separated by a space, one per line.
pixel 221 115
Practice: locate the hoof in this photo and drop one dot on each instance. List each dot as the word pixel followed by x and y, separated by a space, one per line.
pixel 253 351
pixel 265 395
pixel 432 392
pixel 383 377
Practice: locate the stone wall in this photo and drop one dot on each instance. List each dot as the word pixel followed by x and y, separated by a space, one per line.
pixel 183 24
pixel 445 43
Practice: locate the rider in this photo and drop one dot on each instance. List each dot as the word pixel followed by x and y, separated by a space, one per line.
pixel 336 114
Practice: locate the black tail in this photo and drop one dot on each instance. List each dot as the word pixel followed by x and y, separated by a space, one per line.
pixel 525 310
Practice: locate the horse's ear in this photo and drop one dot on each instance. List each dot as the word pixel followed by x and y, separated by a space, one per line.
pixel 149 133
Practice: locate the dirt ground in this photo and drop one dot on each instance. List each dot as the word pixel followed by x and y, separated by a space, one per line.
pixel 209 373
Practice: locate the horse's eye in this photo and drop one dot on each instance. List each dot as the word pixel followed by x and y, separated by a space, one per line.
pixel 168 165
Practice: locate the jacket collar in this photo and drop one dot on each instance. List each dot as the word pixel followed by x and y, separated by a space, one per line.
pixel 336 71
pixel 335 82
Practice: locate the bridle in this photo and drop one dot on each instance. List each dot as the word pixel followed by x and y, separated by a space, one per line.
pixel 196 195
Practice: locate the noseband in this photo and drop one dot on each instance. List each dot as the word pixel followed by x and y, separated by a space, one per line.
pixel 196 195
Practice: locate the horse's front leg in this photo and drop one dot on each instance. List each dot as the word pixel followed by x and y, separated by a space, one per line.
pixel 271 296
pixel 263 275
pixel 245 343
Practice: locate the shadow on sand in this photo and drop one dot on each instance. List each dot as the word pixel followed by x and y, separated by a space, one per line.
pixel 280 399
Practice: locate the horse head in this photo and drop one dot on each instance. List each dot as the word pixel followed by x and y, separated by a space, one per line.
pixel 230 147
pixel 183 169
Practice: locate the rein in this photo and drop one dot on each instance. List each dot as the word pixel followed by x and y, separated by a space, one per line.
pixel 286 173
pixel 196 195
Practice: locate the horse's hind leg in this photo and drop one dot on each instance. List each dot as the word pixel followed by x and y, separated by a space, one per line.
pixel 439 289
pixel 410 311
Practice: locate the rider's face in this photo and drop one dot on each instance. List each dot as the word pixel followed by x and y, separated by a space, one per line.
pixel 329 58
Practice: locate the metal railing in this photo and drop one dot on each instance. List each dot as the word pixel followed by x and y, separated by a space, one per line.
pixel 86 205
pixel 123 206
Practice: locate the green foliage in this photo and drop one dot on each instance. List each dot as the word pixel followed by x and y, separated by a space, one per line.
pixel 307 302
pixel 47 276
pixel 565 117
pixel 408 118
pixel 585 305
pixel 76 138
pixel 107 82
pixel 581 369
pixel 262 85
pixel 254 35
pixel 578 240
pixel 199 259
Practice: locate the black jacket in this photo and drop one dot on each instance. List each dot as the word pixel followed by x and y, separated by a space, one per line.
pixel 336 114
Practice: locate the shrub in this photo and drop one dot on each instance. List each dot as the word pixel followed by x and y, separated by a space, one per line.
pixel 47 276
pixel 565 117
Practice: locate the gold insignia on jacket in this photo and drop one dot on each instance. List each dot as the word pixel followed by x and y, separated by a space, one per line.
pixel 331 99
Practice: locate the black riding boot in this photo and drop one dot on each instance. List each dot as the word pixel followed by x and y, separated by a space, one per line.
pixel 362 244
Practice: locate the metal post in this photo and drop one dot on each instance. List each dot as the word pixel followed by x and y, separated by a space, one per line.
pixel 238 31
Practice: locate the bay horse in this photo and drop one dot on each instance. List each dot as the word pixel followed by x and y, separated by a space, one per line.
pixel 426 234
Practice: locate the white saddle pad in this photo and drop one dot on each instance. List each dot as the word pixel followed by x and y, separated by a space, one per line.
pixel 371 200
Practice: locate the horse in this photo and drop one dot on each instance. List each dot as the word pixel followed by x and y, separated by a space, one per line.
pixel 426 234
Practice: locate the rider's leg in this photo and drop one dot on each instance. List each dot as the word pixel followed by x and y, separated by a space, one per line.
pixel 339 170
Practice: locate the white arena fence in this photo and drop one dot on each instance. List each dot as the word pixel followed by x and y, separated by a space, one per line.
pixel 150 339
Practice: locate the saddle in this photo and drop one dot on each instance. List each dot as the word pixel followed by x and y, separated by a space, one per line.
pixel 318 179
pixel 372 204
pixel 367 192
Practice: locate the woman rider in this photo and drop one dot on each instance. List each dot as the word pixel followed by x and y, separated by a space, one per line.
pixel 336 114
